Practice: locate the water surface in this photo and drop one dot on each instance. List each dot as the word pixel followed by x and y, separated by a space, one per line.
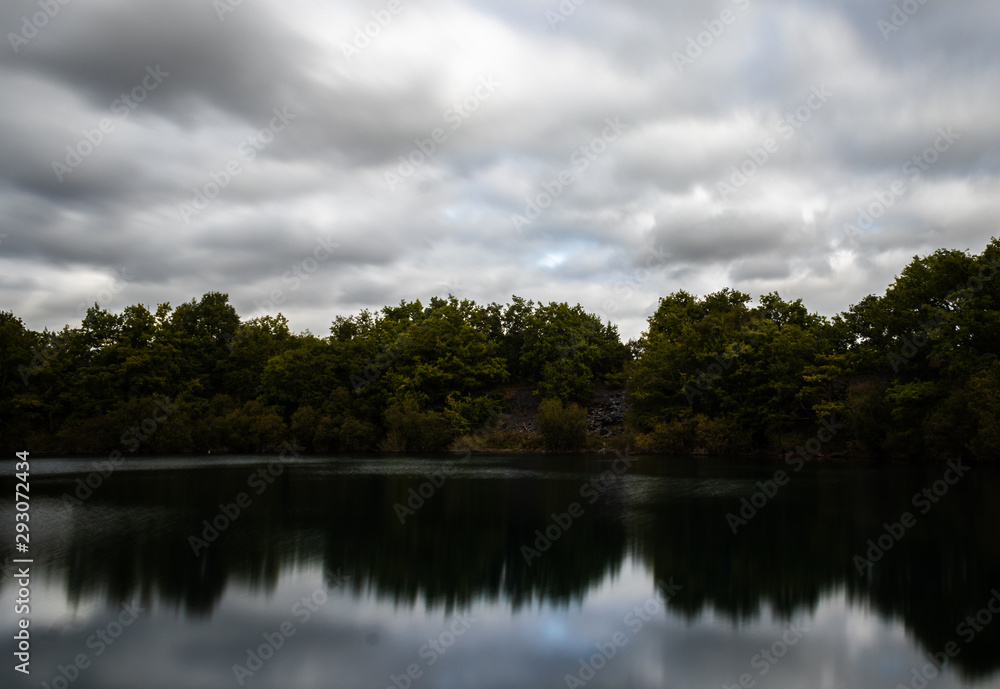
pixel 644 583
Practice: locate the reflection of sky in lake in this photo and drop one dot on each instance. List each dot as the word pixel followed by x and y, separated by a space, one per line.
pixel 359 641
pixel 459 561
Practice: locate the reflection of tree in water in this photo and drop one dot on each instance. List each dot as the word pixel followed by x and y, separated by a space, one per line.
pixel 801 546
pixel 464 545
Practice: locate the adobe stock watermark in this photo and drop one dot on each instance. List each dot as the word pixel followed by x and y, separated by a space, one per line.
pixel 298 274
pixel 379 364
pixel 455 116
pixel 634 621
pixel 797 458
pixel 577 337
pixel 132 438
pixel 560 523
pixel 581 159
pixel 900 14
pixel 656 259
pixel 787 126
pixel 302 610
pixel 293 278
pixel 432 651
pixel 703 40
pixel 121 106
pixel 894 532
pixel 912 170
pixel 98 642
pixel 374 368
pixel 248 149
pixel 30 26
pixel 770 656
pixel 565 10
pixel 40 359
pixel 967 629
pixel 224 7
pixel 369 31
pixel 941 317
pixel 419 496
pixel 120 279
pixel 229 512
pixel 714 372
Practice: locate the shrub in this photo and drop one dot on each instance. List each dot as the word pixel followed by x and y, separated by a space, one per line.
pixel 562 428
pixel 699 433
pixel 409 428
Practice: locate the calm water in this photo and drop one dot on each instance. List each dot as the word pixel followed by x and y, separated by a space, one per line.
pixel 449 598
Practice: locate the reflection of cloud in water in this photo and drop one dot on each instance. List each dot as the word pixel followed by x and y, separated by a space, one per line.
pixel 461 553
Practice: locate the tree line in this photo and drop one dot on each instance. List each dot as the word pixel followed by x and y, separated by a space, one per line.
pixel 913 372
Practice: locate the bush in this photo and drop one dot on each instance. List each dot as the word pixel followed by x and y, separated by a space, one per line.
pixel 697 434
pixel 408 428
pixel 562 428
pixel 464 414
pixel 719 436
pixel 497 441
pixel 668 437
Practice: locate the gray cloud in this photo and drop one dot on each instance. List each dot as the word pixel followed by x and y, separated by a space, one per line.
pixel 466 157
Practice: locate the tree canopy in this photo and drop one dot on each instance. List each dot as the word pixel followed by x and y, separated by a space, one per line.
pixel 914 372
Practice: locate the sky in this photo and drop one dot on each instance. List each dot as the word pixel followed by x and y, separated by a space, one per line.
pixel 317 158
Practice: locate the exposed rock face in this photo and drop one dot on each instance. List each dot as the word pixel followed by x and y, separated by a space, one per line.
pixel 523 409
pixel 606 411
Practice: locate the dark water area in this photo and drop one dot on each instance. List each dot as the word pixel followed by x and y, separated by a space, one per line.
pixel 508 571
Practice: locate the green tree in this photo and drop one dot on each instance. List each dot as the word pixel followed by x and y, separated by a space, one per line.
pixel 301 375
pixel 408 427
pixel 722 359
pixel 567 351
pixel 254 427
pixel 255 343
pixel 201 332
pixel 21 407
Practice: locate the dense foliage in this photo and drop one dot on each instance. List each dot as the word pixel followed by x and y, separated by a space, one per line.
pixel 195 378
pixel 914 372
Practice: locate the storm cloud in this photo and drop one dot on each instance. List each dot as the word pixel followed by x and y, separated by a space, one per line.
pixel 581 151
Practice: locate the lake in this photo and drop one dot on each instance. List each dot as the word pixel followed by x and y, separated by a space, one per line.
pixel 509 571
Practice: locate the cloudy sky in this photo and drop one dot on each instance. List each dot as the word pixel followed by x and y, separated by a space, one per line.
pixel 320 157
